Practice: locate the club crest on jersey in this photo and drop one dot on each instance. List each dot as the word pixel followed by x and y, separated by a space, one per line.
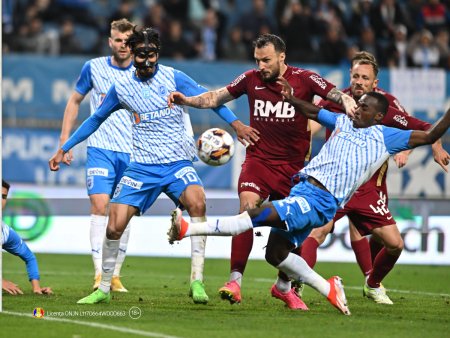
pixel 90 182
pixel 162 90
pixel 146 92
pixel 117 191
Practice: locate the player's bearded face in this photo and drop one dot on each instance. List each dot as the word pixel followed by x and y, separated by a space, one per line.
pixel 362 80
pixel 268 62
pixel 117 40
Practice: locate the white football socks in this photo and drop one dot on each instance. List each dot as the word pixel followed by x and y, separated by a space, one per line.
pixel 236 276
pixel 296 268
pixel 198 245
pixel 283 286
pixel 226 226
pixel 97 233
pixel 109 257
pixel 122 250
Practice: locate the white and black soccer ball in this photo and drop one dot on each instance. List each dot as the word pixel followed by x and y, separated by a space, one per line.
pixel 215 146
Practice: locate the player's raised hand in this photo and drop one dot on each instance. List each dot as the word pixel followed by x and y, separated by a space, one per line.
pixel 56 159
pixel 176 98
pixel 245 134
pixel 349 104
pixel 286 90
pixel 441 156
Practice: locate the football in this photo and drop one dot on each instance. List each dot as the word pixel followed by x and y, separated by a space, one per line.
pixel 215 146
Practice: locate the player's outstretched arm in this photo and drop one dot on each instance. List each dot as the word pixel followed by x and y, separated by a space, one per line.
pixel 420 138
pixel 70 116
pixel 211 99
pixel 306 108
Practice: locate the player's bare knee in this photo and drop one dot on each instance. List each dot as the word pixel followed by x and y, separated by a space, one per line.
pixel 113 232
pixel 319 235
pixel 196 207
pixel 274 258
pixel 395 247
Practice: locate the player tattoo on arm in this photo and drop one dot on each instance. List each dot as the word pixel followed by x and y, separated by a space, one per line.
pixel 212 99
pixel 335 95
pixel 343 99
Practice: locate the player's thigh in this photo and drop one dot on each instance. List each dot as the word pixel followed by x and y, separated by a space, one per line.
pixel 140 186
pixel 354 233
pixel 320 233
pixel 99 204
pixel 194 200
pixel 100 171
pixel 183 185
pixel 249 200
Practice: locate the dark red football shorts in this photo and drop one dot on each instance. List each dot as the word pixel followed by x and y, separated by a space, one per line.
pixel 266 180
pixel 367 209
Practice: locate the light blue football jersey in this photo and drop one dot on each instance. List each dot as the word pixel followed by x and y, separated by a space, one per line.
pixel 97 76
pixel 5 232
pixel 352 155
pixel 159 132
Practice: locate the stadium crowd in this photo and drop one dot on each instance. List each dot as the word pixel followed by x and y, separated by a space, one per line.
pixel 407 33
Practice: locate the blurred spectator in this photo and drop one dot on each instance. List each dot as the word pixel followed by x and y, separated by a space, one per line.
pixel 255 22
pixel 396 52
pixel 235 48
pixel 435 16
pixel 33 39
pixel 157 18
pixel 77 9
pixel 209 38
pixel 423 50
pixel 385 15
pixel 368 42
pixel 360 17
pixel 177 9
pixel 294 19
pixel 442 41
pixel 124 11
pixel 333 48
pixel 327 13
pixel 174 43
pixel 68 42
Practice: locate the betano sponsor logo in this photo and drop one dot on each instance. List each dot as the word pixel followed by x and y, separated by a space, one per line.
pixel 146 117
pixel 237 80
pixel 352 138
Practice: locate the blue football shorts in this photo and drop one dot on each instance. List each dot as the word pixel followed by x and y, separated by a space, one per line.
pixel 307 207
pixel 141 183
pixel 104 169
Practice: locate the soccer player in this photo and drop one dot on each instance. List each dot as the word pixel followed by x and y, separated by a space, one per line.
pixel 12 243
pixel 284 135
pixel 108 149
pixel 355 150
pixel 162 155
pixel 368 210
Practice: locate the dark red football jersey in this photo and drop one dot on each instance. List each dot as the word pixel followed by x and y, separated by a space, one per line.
pixel 394 118
pixel 285 135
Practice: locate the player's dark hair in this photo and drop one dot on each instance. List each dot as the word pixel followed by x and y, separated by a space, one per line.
pixel 266 39
pixel 5 185
pixel 365 58
pixel 382 102
pixel 122 25
pixel 143 35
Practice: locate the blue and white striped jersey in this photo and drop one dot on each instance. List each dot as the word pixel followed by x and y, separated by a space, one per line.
pixel 352 155
pixel 159 133
pixel 97 76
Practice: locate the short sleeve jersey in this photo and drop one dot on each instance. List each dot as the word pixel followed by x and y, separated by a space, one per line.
pixel 396 117
pixel 284 133
pixel 97 76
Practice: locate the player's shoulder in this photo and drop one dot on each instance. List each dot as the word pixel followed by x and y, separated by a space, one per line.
pixel 297 71
pixel 101 60
pixel 393 101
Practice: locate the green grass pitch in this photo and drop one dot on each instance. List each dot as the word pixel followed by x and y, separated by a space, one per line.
pixel 159 288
